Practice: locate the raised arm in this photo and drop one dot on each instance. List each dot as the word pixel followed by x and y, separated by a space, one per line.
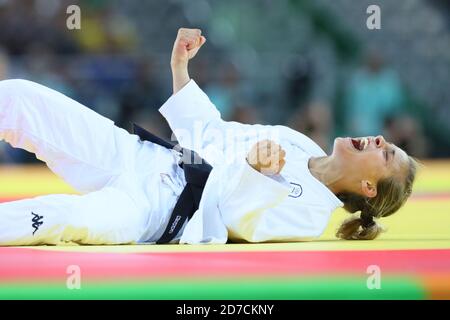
pixel 189 111
pixel 186 46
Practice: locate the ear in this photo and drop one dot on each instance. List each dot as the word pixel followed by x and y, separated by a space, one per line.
pixel 368 188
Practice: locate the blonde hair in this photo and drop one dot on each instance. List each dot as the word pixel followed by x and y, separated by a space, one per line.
pixel 392 193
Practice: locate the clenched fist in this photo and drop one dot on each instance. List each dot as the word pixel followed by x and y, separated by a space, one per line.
pixel 186 46
pixel 267 157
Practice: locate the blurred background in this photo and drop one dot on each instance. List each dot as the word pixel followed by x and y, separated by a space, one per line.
pixel 311 65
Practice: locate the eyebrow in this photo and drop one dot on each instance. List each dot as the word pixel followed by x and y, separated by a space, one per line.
pixel 392 151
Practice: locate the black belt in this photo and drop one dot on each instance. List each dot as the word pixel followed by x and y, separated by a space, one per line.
pixel 196 172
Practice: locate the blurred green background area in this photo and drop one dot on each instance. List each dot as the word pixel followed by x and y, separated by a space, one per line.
pixel 312 65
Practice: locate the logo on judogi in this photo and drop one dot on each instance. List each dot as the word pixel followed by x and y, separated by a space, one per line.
pixel 296 190
pixel 37 222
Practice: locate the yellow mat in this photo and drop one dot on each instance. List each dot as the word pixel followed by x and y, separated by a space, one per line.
pixel 423 223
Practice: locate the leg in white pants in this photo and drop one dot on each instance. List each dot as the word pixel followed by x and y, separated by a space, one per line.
pixel 108 216
pixel 79 145
pixel 88 151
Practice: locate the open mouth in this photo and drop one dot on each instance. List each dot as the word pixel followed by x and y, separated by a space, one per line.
pixel 359 143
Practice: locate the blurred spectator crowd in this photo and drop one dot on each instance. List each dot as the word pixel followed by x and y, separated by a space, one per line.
pixel 313 66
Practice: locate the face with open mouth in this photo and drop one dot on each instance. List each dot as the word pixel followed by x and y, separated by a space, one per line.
pixel 369 158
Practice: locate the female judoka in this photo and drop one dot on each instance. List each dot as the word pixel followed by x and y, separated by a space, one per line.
pixel 249 183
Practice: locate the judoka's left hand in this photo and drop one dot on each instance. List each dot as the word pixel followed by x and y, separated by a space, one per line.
pixel 186 46
pixel 267 157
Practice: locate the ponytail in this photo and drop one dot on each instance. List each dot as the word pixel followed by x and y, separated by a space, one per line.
pixel 359 228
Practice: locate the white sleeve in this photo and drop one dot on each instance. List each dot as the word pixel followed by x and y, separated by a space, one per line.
pixel 198 126
pixel 189 112
pixel 187 106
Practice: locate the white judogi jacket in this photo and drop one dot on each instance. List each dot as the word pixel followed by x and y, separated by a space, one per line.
pixel 238 202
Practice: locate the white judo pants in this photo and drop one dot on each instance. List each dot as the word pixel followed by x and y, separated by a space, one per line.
pixel 128 188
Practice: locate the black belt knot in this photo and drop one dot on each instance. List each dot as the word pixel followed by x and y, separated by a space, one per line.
pixel 196 172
